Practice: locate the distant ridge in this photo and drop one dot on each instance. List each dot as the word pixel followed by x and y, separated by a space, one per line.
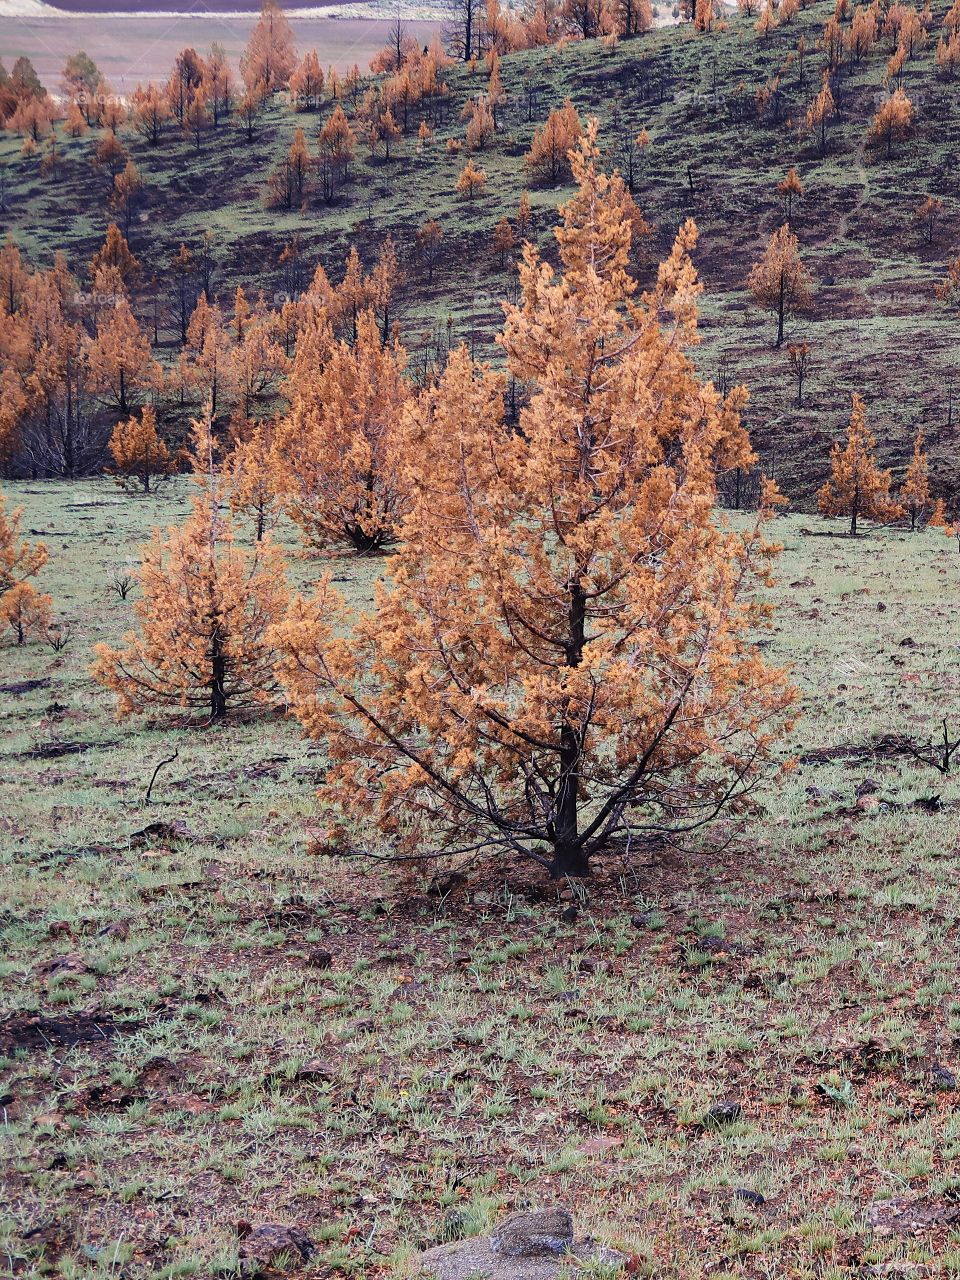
pixel 160 8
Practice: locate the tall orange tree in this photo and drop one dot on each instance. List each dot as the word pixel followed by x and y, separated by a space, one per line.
pixel 564 658
pixel 857 487
pixel 270 57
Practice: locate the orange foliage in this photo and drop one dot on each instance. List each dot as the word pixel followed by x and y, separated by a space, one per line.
pixel 565 654
pixel 779 281
pixel 857 487
pixel 552 142
pixel 336 459
pixel 915 490
pixel 139 455
pixel 22 607
pixel 204 613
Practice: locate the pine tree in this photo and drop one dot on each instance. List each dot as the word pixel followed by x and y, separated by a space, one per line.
pixel 22 608
pixel 552 142
pixel 204 613
pixel 892 123
pixel 25 611
pixel 564 656
pixel 857 487
pixel 915 490
pixel 121 361
pixel 503 240
pixel 139 455
pixel 270 58
pixel 336 459
pixel 779 281
pixel 822 109
pixel 472 180
pixel 249 475
pixel 791 188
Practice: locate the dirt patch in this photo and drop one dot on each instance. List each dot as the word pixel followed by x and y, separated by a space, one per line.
pixel 29 1032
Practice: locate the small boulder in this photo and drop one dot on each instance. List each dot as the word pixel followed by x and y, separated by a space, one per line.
pixel 270 1242
pixel 536 1234
pixel 942 1079
pixel 538 1245
pixel 722 1113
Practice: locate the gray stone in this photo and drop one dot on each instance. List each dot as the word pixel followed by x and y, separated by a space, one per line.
pixel 539 1245
pixel 535 1234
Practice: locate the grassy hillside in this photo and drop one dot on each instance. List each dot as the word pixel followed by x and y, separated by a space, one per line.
pixel 205 1025
pixel 874 325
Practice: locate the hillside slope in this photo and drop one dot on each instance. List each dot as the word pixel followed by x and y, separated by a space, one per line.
pixel 874 326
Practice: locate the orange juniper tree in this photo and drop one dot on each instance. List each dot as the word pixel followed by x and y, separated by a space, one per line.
pixel 270 57
pixel 552 142
pixel 121 361
pixel 139 455
pixel 336 459
pixel 915 490
pixel 564 657
pixel 892 122
pixel 822 109
pixel 791 188
pixel 779 281
pixel 24 609
pixel 472 180
pixel 857 487
pixel 249 475
pixel 204 613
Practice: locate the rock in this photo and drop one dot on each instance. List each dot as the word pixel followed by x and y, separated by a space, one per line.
pixel 316 1071
pixel 749 1197
pixel 533 1234
pixel 263 1245
pixel 318 958
pixel 588 964
pixel 942 1079
pixel 538 1245
pixel 722 1113
pixel 910 1217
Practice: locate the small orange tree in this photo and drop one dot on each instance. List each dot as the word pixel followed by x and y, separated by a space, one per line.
pixel 892 122
pixel 779 281
pixel 205 612
pixel 251 482
pixel 857 487
pixel 22 607
pixel 548 154
pixel 139 455
pixel 335 457
pixel 565 655
pixel 915 490
pixel 791 188
pixel 472 180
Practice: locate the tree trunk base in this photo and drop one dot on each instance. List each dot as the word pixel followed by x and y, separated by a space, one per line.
pixel 569 864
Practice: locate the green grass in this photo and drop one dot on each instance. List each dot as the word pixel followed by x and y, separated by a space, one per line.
pixel 481 1052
